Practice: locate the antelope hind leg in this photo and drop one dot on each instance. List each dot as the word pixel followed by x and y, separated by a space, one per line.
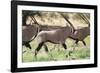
pixel 84 43
pixel 28 45
pixel 76 42
pixel 64 45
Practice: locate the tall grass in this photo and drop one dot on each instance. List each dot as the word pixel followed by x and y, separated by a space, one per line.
pixel 58 52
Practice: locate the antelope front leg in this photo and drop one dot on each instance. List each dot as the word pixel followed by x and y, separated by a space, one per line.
pixel 65 47
pixel 46 49
pixel 84 43
pixel 38 48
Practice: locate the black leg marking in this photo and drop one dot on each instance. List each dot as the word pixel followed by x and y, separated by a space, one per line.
pixel 76 42
pixel 64 45
pixel 38 48
pixel 27 45
pixel 84 43
pixel 46 48
pixel 70 52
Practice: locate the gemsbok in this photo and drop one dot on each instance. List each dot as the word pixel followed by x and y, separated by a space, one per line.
pixel 28 34
pixel 57 36
pixel 81 33
pixel 31 29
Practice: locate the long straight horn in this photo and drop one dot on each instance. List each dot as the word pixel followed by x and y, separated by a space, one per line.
pixel 68 21
pixel 33 18
pixel 85 19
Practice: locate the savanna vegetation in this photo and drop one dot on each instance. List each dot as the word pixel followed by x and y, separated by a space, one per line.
pixel 56 51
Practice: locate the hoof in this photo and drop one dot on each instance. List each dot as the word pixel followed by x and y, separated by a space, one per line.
pixel 66 56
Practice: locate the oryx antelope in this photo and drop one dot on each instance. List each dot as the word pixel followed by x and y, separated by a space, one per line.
pixel 30 31
pixel 57 36
pixel 28 34
pixel 81 33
